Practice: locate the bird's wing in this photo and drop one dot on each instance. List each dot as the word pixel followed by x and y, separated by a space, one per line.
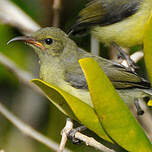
pixel 104 12
pixel 76 78
pixel 120 77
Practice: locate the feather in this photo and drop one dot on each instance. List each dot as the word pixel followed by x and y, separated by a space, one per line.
pixel 120 76
pixel 104 12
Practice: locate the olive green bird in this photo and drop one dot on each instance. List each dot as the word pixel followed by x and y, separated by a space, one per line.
pixel 59 66
pixel 115 21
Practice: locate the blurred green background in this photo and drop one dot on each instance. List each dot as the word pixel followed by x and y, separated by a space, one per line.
pixel 27 104
pixel 24 102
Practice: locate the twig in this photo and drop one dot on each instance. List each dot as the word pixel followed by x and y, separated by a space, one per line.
pixel 89 141
pixel 27 130
pixel 14 16
pixel 68 127
pixel 95 46
pixel 146 119
pixel 137 56
pixel 56 9
pixel 23 76
pixel 134 57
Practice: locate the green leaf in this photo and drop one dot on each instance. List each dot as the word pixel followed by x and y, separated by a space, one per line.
pixel 148 48
pixel 69 104
pixel 113 113
pixel 54 97
pixel 149 103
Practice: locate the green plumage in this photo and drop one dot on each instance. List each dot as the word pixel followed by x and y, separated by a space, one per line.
pixel 59 66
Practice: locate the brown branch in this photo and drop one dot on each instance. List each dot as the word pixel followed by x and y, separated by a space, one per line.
pixel 95 46
pixel 68 127
pixel 89 141
pixel 23 76
pixel 14 16
pixel 27 130
pixel 11 14
pixel 56 9
pixel 137 56
pixel 146 119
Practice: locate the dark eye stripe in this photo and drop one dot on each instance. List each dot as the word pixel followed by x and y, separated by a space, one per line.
pixel 48 41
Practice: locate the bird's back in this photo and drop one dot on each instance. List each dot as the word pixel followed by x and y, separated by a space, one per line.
pixel 120 76
pixel 119 21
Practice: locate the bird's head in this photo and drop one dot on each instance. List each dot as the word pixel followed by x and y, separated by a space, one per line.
pixel 50 40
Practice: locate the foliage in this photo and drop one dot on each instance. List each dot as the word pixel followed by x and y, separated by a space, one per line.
pixel 148 48
pixel 110 118
pixel 109 110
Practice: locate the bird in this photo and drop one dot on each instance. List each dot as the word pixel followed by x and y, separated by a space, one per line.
pixel 58 57
pixel 120 22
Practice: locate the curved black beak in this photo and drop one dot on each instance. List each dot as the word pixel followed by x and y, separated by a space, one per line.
pixel 28 40
pixel 20 38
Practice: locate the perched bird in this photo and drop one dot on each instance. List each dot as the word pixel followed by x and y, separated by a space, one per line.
pixel 59 65
pixel 115 21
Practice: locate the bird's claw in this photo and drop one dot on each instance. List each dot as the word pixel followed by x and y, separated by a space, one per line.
pixel 125 57
pixel 138 108
pixel 140 112
pixel 131 64
pixel 71 134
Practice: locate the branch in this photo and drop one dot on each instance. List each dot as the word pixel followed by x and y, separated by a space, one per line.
pixel 68 127
pixel 56 9
pixel 14 16
pixel 146 119
pixel 137 56
pixel 27 130
pixel 23 76
pixel 89 141
pixel 95 46
pixel 134 57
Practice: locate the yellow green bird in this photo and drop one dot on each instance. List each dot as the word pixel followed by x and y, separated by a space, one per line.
pixel 115 21
pixel 59 66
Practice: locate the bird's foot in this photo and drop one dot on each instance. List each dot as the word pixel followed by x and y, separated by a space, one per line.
pixel 130 64
pixel 71 134
pixel 138 108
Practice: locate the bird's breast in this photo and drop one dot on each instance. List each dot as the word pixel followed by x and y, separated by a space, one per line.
pixel 54 74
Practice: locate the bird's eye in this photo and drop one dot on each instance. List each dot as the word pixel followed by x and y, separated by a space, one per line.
pixel 48 41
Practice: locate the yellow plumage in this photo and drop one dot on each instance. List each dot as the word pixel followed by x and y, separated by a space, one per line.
pixel 128 32
pixel 118 21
